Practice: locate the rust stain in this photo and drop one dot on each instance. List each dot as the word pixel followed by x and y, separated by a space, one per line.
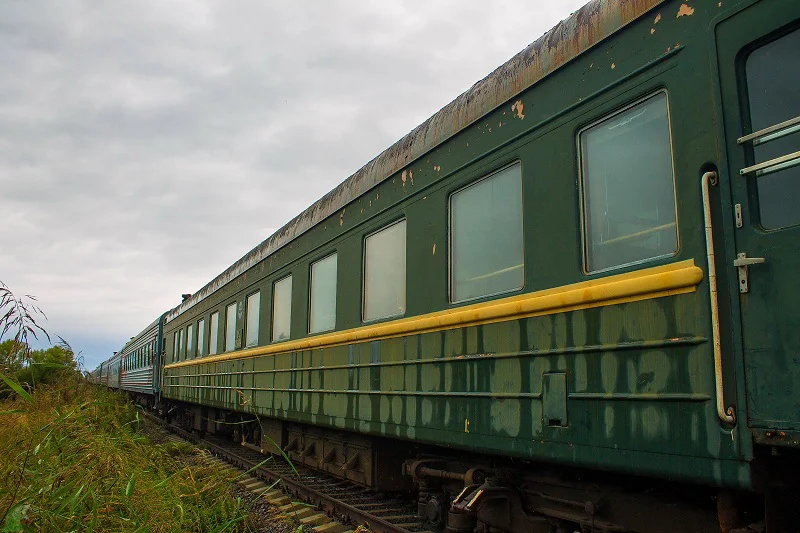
pixel 434 249
pixel 518 109
pixel 404 177
pixel 685 10
pixel 658 19
pixel 613 66
pixel 341 218
pixel 652 31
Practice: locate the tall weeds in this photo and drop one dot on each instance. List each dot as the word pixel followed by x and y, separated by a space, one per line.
pixel 71 459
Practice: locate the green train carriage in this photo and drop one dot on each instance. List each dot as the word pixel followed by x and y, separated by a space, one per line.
pixel 584 263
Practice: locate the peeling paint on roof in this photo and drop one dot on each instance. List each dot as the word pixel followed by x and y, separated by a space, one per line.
pixel 573 36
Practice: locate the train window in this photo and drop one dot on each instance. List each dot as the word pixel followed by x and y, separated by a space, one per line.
pixel 201 332
pixel 181 340
pixel 213 332
pixel 628 187
pixel 251 323
pixel 774 98
pixel 385 273
pixel 322 316
pixel 175 347
pixel 486 256
pixel 230 327
pixel 282 309
pixel 190 341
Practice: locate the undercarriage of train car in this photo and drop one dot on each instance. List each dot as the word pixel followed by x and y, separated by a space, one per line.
pixel 464 492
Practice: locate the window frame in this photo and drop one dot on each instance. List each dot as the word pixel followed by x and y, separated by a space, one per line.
pixel 272 308
pixel 201 336
pixel 213 334
pixel 245 344
pixel 387 225
pixel 333 253
pixel 235 305
pixel 462 188
pixel 602 117
pixel 190 340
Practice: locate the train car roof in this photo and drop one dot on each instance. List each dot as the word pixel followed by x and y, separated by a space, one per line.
pixel 152 325
pixel 582 30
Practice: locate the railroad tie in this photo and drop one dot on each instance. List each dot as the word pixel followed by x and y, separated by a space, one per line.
pixel 255 485
pixel 314 520
pixel 276 497
pixel 299 511
pixel 330 527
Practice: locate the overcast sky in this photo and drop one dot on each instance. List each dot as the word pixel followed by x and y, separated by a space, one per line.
pixel 147 145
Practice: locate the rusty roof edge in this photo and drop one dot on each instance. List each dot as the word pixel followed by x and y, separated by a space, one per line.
pixel 590 25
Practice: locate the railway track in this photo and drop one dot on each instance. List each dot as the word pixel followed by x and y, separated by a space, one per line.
pixel 325 504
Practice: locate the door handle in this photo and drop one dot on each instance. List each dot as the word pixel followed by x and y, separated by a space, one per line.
pixel 741 263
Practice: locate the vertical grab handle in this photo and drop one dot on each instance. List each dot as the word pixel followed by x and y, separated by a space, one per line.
pixel 726 415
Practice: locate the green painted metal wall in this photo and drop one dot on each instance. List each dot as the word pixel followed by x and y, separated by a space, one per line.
pixel 639 375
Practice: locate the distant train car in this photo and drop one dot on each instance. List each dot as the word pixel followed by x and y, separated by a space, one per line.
pixel 94 375
pixel 577 280
pixel 113 370
pixel 138 359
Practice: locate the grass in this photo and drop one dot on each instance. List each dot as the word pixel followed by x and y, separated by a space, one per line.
pixel 72 459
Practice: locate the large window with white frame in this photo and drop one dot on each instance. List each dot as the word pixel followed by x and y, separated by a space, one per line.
pixel 385 273
pixel 252 309
pixel 628 186
pixel 213 334
pixel 230 327
pixel 322 313
pixel 282 309
pixel 201 337
pixel 486 244
pixel 190 341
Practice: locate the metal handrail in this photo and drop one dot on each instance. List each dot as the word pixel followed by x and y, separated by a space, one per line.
pixel 773 165
pixel 726 415
pixel 773 132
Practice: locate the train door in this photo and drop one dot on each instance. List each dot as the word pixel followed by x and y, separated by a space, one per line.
pixel 758 53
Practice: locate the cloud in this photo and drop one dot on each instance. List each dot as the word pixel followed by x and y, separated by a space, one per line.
pixel 145 146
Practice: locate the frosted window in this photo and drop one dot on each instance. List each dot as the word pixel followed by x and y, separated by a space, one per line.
pixel 486 231
pixel 628 188
pixel 282 309
pixel 230 328
pixel 201 337
pixel 323 295
pixel 190 340
pixel 213 345
pixel 385 273
pixel 253 305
